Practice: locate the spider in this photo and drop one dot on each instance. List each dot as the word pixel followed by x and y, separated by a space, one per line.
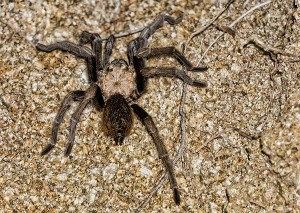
pixel 116 85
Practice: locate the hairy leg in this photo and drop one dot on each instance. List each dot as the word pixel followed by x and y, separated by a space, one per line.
pixel 158 23
pixel 96 43
pixel 65 105
pixel 160 147
pixel 77 50
pixel 168 51
pixel 141 42
pixel 89 97
pixel 171 72
pixel 98 100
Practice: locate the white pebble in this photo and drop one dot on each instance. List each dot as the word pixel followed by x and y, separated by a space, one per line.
pixel 145 171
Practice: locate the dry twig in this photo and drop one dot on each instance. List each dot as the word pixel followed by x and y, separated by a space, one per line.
pixel 254 136
pixel 208 141
pixel 198 32
pixel 267 48
pixel 225 29
pixel 232 25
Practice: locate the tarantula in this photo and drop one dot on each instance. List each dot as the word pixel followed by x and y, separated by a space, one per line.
pixel 114 86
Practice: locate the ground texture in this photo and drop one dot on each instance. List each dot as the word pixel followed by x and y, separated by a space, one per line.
pixel 241 133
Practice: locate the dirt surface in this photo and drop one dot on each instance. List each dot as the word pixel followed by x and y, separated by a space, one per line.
pixel 241 133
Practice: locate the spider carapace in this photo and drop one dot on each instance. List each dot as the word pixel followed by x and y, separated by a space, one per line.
pixel 116 85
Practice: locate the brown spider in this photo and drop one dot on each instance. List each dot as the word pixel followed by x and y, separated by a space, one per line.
pixel 115 86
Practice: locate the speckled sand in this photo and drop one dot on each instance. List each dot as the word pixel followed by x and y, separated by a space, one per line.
pixel 222 170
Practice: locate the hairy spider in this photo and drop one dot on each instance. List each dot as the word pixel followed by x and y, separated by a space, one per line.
pixel 114 86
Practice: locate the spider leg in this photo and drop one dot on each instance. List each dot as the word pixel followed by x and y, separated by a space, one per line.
pixel 168 51
pixel 161 149
pixel 96 43
pixel 77 50
pixel 98 100
pixel 108 49
pixel 89 96
pixel 158 23
pixel 65 105
pixel 141 42
pixel 171 72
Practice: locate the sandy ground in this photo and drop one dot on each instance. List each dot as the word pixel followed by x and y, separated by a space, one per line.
pixel 242 132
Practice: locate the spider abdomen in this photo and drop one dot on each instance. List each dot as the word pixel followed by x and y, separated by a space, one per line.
pixel 117 118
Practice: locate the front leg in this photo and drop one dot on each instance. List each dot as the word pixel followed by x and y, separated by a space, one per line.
pixel 67 46
pixel 142 40
pixel 96 43
pixel 168 51
pixel 77 50
pixel 158 23
pixel 146 119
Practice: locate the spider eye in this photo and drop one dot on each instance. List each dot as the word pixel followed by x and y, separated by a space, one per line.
pixel 119 138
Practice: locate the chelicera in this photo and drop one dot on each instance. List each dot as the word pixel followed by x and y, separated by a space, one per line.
pixel 116 85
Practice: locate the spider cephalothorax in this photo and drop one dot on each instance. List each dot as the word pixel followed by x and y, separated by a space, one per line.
pixel 117 78
pixel 114 87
